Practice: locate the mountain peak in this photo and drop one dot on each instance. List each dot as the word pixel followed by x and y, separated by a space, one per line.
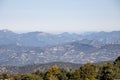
pixel 39 33
pixel 5 30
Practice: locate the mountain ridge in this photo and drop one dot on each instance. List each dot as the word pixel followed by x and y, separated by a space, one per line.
pixel 40 47
pixel 35 67
pixel 43 39
pixel 77 53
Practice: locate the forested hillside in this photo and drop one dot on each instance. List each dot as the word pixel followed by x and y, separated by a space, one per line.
pixel 88 71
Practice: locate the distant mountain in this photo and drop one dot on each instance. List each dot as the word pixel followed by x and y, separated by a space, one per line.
pixel 7 37
pixel 40 47
pixel 42 39
pixel 105 37
pixel 36 39
pixel 71 52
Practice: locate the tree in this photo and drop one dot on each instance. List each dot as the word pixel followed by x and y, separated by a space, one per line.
pixel 117 68
pixel 75 75
pixel 39 73
pixel 31 77
pixel 63 75
pixel 88 72
pixel 52 73
pixel 118 59
pixel 107 72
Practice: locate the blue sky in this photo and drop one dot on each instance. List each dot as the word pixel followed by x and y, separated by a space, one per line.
pixel 60 15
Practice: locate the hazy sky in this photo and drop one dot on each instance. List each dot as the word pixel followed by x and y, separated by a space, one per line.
pixel 60 15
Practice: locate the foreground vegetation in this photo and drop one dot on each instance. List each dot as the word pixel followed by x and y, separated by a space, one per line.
pixel 89 71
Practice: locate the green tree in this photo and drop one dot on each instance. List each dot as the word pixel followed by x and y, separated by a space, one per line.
pixel 39 73
pixel 88 72
pixel 117 68
pixel 31 77
pixel 107 72
pixel 70 74
pixel 52 73
pixel 75 75
pixel 62 75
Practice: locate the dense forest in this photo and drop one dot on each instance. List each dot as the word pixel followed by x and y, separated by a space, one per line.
pixel 89 71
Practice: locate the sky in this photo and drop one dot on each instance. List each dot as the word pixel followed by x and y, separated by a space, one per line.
pixel 60 15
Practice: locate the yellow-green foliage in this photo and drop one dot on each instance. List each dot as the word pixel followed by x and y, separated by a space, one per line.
pixel 89 71
pixel 52 73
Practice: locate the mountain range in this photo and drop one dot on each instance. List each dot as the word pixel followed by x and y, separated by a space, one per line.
pixel 40 47
pixel 42 39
